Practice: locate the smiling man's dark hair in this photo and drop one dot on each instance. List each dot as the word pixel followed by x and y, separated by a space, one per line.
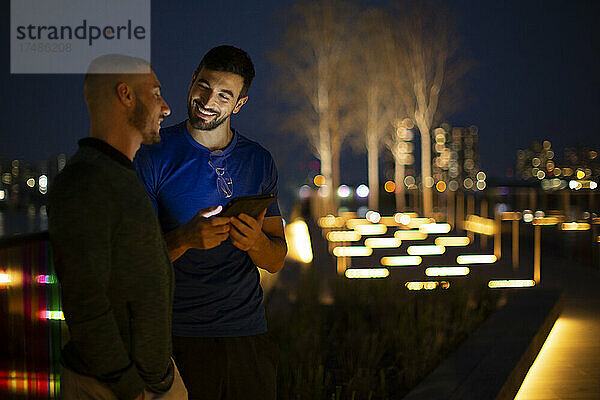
pixel 229 59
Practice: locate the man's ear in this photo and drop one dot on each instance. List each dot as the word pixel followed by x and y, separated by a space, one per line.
pixel 239 104
pixel 125 94
pixel 193 80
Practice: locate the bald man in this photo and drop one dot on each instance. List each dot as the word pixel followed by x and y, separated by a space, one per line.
pixel 108 248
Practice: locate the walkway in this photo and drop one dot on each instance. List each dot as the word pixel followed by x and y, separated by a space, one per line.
pixel 568 366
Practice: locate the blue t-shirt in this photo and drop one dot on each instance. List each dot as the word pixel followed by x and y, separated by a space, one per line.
pixel 217 291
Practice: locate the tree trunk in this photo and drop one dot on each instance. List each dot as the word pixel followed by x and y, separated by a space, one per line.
pixel 373 167
pixel 399 180
pixel 426 167
pixel 324 134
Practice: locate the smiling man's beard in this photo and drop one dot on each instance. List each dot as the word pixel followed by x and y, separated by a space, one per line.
pixel 198 123
pixel 140 119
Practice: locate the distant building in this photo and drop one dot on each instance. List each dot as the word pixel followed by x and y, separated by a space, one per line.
pixel 456 159
pixel 541 163
pixel 23 185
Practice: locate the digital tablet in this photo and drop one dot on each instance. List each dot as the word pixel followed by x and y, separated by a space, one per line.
pixel 251 205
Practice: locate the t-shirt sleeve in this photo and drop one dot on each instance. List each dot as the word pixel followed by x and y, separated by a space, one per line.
pixel 270 186
pixel 81 220
pixel 147 173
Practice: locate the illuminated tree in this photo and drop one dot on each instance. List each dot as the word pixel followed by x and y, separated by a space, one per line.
pixel 374 95
pixel 425 47
pixel 312 58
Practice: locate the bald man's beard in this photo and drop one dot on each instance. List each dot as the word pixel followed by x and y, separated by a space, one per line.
pixel 143 123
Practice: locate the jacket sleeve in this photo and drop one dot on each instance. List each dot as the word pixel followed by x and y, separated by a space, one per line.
pixel 81 218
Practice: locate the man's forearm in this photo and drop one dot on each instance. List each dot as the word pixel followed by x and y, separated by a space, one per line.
pixel 176 243
pixel 269 253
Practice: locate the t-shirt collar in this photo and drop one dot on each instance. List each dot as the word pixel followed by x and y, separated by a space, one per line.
pixel 107 150
pixel 221 152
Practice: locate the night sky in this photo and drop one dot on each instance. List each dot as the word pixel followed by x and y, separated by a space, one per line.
pixel 535 77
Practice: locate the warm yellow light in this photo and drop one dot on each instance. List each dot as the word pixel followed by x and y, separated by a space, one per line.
pixel 343 236
pixel 546 221
pixel 511 283
pixel 477 224
pixel 410 235
pixel 373 229
pixel 435 228
pixel 388 221
pixel 354 222
pixel 383 243
pixel 452 241
pixel 389 186
pixel 330 221
pixel 427 285
pixel 425 250
pixel 352 251
pixel 319 180
pixel 367 273
pixel 417 222
pixel 476 259
pixel 373 217
pixel 31 182
pixel 403 219
pixel 298 240
pixel 4 279
pixel 447 271
pixel 399 261
pixel 440 186
pixel 575 226
pixel 580 174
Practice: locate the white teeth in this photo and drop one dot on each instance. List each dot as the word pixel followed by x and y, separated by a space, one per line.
pixel 204 112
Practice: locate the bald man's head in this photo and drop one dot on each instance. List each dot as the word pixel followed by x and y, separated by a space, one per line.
pixel 105 73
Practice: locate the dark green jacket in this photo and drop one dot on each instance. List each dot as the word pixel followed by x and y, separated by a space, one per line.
pixel 114 270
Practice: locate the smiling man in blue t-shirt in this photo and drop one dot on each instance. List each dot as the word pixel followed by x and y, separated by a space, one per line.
pixel 219 323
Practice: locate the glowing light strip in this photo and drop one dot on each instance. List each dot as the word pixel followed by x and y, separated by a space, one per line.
pixel 53 315
pixel 450 241
pixel 330 221
pixel 435 228
pixel 476 259
pixel 398 261
pixel 575 226
pixel 352 251
pixel 511 216
pixel 343 236
pixel 546 221
pixel 374 229
pixel 383 243
pixel 352 223
pixel 511 283
pixel 367 273
pixel 45 279
pixel 425 250
pixel 447 271
pixel 4 279
pixel 477 224
pixel 298 238
pixel 427 285
pixel 417 222
pixel 389 221
pixel 410 235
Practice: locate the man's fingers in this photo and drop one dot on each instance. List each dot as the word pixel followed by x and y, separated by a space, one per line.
pixel 261 217
pixel 219 221
pixel 241 226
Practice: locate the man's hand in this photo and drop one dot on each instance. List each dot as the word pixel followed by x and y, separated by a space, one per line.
pixel 246 231
pixel 204 231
